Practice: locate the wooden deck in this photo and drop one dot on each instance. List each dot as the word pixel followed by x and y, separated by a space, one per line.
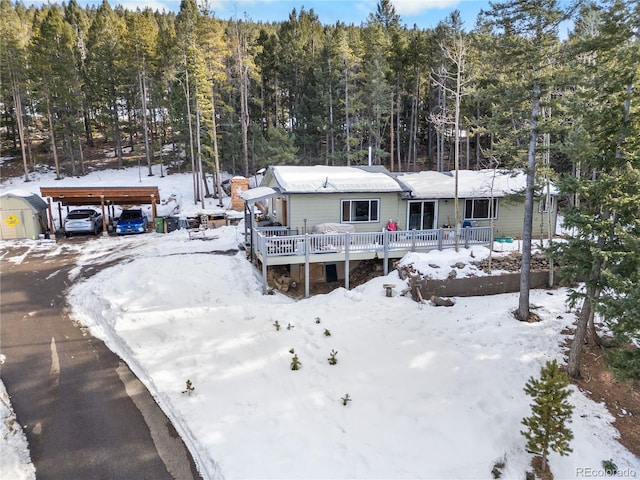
pixel 274 246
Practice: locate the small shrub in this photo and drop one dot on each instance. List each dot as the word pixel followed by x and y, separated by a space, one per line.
pixel 295 363
pixel 277 325
pixel 610 468
pixel 317 319
pixel 625 363
pixel 189 388
pixel 292 351
pixel 327 333
pixel 346 399
pixel 332 357
pixel 498 467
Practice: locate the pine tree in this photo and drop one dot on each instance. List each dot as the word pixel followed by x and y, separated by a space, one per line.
pixel 550 412
pixel 526 34
pixel 603 250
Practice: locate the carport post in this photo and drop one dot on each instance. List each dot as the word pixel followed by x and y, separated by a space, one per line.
pixel 60 213
pixel 51 218
pixel 154 210
pixel 104 218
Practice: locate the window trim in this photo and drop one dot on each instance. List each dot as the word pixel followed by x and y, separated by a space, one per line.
pixel 473 200
pixel 351 201
pixel 434 223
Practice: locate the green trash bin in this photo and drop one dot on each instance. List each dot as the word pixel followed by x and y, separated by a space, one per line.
pixel 159 223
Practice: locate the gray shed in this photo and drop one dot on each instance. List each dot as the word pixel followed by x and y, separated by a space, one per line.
pixel 22 215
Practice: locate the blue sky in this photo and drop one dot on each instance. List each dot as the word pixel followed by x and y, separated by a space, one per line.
pixel 423 13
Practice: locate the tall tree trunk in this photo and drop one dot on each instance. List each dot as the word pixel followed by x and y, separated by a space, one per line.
pixel 145 128
pixel 116 130
pixel 243 74
pixel 80 153
pixel 194 173
pixel 527 229
pixel 17 104
pixel 398 137
pixel 54 148
pixel 391 134
pixel 216 156
pixel 346 113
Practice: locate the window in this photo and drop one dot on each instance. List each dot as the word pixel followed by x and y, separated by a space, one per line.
pixel 545 206
pixel 360 211
pixel 478 208
pixel 421 215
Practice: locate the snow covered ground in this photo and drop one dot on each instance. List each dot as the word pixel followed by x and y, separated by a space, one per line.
pixel 435 392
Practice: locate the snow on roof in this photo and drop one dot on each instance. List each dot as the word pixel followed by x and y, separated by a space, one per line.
pixel 36 203
pixel 326 179
pixel 257 193
pixel 471 183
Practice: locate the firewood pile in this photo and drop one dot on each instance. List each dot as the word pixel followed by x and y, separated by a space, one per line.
pixel 414 286
pixel 512 263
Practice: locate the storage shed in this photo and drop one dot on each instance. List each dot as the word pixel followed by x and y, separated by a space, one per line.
pixel 22 215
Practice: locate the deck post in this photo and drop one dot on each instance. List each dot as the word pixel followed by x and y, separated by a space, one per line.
pixel 385 246
pixel 347 244
pixel 265 259
pixel 307 248
pixel 440 236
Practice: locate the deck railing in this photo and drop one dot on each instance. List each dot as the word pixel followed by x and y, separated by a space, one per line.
pixel 279 241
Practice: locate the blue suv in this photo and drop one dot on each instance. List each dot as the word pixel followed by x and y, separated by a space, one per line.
pixel 132 220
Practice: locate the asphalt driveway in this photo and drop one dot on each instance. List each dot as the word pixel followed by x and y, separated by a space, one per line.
pixel 84 413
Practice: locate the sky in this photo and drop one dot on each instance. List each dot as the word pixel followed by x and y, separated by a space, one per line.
pixel 435 392
pixel 422 13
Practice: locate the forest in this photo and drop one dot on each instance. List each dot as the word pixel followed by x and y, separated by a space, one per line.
pixel 237 95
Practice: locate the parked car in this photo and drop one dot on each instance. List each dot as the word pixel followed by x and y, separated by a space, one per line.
pixel 83 220
pixel 132 220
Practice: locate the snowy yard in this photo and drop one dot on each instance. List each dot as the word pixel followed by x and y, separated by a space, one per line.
pixel 436 393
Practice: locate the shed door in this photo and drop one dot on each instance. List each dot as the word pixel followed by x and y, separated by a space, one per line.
pixel 12 224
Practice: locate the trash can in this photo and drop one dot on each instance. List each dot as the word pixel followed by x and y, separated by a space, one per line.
pixel 159 223
pixel 172 224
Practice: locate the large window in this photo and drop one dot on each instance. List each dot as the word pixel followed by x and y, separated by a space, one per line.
pixel 478 208
pixel 421 215
pixel 360 211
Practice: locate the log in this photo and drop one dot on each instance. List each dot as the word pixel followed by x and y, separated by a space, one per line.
pixel 442 302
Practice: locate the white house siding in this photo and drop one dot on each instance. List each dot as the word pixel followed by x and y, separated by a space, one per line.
pixel 326 208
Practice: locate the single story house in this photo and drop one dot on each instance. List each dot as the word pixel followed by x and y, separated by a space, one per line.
pixel 333 217
pixel 365 197
pixel 299 197
pixel 22 215
pixel 485 198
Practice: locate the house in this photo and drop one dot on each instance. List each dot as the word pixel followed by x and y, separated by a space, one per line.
pixel 294 215
pixel 23 215
pixel 485 197
pixel 365 197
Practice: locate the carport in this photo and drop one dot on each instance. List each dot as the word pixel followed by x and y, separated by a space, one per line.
pixel 102 196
